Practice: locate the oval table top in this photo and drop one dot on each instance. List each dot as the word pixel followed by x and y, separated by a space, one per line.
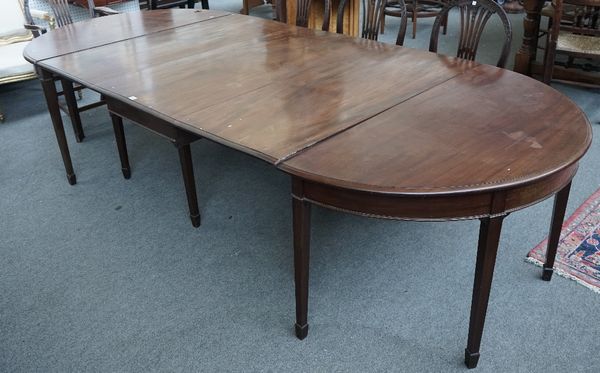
pixel 488 128
pixel 328 108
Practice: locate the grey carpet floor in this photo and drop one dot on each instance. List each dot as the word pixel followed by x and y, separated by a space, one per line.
pixel 110 276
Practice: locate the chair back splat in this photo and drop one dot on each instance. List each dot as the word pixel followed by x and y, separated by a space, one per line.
pixel 60 8
pixel 474 15
pixel 303 12
pixel 415 9
pixel 372 18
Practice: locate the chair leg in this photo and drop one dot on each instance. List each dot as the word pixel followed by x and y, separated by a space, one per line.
pixel 382 27
pixel 117 122
pixel 549 56
pixel 414 23
pixel 185 158
pixel 204 4
pixel 73 109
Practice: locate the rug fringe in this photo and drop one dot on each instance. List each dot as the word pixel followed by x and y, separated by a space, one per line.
pixel 561 273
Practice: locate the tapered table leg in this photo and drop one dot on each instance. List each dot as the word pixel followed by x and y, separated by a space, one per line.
pixel 558 215
pixel 52 101
pixel 489 236
pixel 69 92
pixel 301 217
pixel 185 157
pixel 117 122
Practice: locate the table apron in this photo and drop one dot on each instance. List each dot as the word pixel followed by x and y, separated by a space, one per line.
pixel 433 207
pixel 151 122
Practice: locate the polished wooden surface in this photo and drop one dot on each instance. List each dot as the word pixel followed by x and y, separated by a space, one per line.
pixel 362 127
pixel 314 85
pixel 303 108
pixel 453 143
pixel 106 30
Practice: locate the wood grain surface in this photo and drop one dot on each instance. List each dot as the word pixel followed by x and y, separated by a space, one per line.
pixel 348 112
pixel 456 137
pixel 106 30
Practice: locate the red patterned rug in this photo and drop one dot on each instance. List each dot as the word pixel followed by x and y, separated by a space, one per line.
pixel 578 254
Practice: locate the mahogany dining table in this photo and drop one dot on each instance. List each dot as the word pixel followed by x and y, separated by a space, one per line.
pixel 360 126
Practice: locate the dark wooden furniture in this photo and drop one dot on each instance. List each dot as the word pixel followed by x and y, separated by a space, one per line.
pixel 415 9
pixel 579 37
pixel 62 17
pixel 473 18
pixel 249 4
pixel 181 140
pixel 402 148
pixel 512 6
pixel 373 19
pixel 526 61
pixel 303 10
pixel 316 14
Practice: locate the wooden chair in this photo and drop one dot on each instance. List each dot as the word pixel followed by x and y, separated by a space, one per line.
pixel 373 17
pixel 249 4
pixel 548 12
pixel 576 36
pixel 474 15
pixel 302 12
pixel 415 9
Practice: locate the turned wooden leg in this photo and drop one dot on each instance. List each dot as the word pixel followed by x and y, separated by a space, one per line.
pixel 414 22
pixel 52 101
pixel 187 168
pixel 117 122
pixel 69 92
pixel 301 217
pixel 489 236
pixel 558 215
pixel 526 54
